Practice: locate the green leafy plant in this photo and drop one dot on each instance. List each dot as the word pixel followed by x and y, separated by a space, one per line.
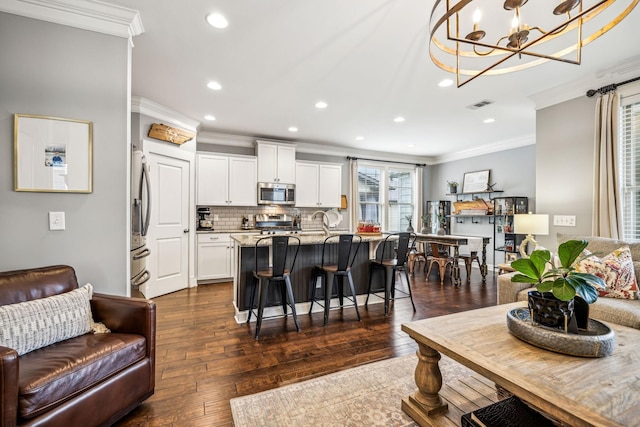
pixel 563 280
pixel 452 183
pixel 409 218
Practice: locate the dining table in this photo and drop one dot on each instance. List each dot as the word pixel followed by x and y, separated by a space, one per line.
pixel 455 242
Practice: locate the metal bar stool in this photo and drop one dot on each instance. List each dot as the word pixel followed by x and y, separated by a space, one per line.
pixel 391 266
pixel 332 275
pixel 283 255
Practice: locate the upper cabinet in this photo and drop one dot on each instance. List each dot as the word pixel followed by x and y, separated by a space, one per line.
pixel 276 162
pixel 318 185
pixel 223 180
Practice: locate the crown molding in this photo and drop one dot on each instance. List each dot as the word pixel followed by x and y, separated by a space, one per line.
pixel 304 147
pixel 488 149
pixel 92 15
pixel 164 114
pixel 577 88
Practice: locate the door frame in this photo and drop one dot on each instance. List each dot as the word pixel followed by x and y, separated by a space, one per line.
pixel 173 151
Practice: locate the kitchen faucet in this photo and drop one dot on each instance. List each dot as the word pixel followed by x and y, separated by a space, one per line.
pixel 325 221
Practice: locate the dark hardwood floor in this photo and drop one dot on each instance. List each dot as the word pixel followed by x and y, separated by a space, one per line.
pixel 204 358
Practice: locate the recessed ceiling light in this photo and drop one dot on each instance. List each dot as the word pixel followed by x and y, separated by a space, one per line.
pixel 293 129
pixel 214 85
pixel 359 138
pixel 489 120
pixel 321 105
pixel 209 117
pixel 445 83
pixel 399 119
pixel 217 20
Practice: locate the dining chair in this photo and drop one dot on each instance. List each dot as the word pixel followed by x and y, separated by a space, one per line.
pixel 440 258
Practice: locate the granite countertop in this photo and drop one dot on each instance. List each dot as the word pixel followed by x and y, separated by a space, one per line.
pixel 306 238
pixel 237 230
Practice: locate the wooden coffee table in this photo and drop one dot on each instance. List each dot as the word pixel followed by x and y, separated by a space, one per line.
pixel 574 390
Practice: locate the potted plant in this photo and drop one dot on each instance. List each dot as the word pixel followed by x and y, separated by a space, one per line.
pixel 453 186
pixel 425 224
pixel 558 285
pixel 410 219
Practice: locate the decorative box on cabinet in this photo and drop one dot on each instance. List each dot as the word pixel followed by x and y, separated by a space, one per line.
pixel 318 185
pixel 276 162
pixel 504 238
pixel 223 180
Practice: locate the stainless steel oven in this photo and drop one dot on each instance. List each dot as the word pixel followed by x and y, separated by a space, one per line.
pixel 270 193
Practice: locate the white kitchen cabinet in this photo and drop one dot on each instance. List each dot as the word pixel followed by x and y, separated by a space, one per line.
pixel 276 162
pixel 226 180
pixel 214 256
pixel 318 185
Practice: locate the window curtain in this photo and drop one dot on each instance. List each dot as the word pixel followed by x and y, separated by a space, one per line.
pixel 606 201
pixel 419 199
pixel 353 210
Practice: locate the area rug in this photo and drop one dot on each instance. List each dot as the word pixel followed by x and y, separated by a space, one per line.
pixel 367 395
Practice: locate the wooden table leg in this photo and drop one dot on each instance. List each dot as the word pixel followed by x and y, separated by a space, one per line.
pixel 483 266
pixel 456 267
pixel 426 401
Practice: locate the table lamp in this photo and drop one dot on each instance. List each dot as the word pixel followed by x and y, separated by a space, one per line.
pixel 530 224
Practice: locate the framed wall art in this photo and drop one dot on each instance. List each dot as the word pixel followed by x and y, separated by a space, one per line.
pixel 52 154
pixel 475 182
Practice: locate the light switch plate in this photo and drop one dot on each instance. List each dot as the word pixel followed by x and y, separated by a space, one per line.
pixel 564 220
pixel 56 221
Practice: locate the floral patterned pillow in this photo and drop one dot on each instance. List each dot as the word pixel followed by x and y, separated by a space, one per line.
pixel 616 269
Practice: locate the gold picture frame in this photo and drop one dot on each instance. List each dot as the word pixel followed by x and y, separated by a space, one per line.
pixel 52 154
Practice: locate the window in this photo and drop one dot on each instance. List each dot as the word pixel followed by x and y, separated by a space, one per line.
pixel 630 166
pixel 387 195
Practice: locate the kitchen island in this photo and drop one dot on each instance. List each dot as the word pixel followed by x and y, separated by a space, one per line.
pixel 309 255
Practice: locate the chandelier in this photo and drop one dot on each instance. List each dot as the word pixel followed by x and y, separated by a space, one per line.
pixel 466 43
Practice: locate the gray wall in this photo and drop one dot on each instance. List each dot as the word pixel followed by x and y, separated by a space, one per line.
pixel 564 165
pixel 513 171
pixel 53 70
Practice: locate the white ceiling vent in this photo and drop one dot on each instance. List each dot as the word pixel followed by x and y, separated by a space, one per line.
pixel 479 105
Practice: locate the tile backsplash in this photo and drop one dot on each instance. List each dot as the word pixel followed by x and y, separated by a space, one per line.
pixel 230 218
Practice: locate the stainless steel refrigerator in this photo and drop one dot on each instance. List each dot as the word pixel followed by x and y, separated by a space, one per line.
pixel 140 216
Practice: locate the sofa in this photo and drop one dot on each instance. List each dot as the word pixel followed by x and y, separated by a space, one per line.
pixel 91 379
pixel 624 312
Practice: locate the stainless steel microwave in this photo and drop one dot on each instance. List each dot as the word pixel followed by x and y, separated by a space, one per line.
pixel 270 193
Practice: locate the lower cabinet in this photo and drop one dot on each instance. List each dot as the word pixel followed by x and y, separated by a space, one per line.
pixel 214 256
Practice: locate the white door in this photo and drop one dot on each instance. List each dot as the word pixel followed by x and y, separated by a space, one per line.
pixel 168 236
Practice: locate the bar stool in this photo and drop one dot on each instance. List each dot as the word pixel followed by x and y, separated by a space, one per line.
pixel 391 266
pixel 283 255
pixel 332 275
pixel 442 259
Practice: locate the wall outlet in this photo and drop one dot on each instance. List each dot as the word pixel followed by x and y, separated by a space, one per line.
pixel 56 221
pixel 564 220
pixel 309 218
pixel 215 217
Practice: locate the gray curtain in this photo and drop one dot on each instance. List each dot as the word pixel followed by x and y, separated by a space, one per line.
pixel 606 198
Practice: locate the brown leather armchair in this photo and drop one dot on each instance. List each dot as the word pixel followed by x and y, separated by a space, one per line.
pixel 89 380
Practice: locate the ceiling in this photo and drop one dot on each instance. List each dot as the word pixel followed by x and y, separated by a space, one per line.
pixel 367 59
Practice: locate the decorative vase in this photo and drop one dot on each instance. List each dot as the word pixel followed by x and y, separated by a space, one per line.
pixel 550 311
pixel 441 231
pixel 410 227
pixel 425 229
pixel 453 189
